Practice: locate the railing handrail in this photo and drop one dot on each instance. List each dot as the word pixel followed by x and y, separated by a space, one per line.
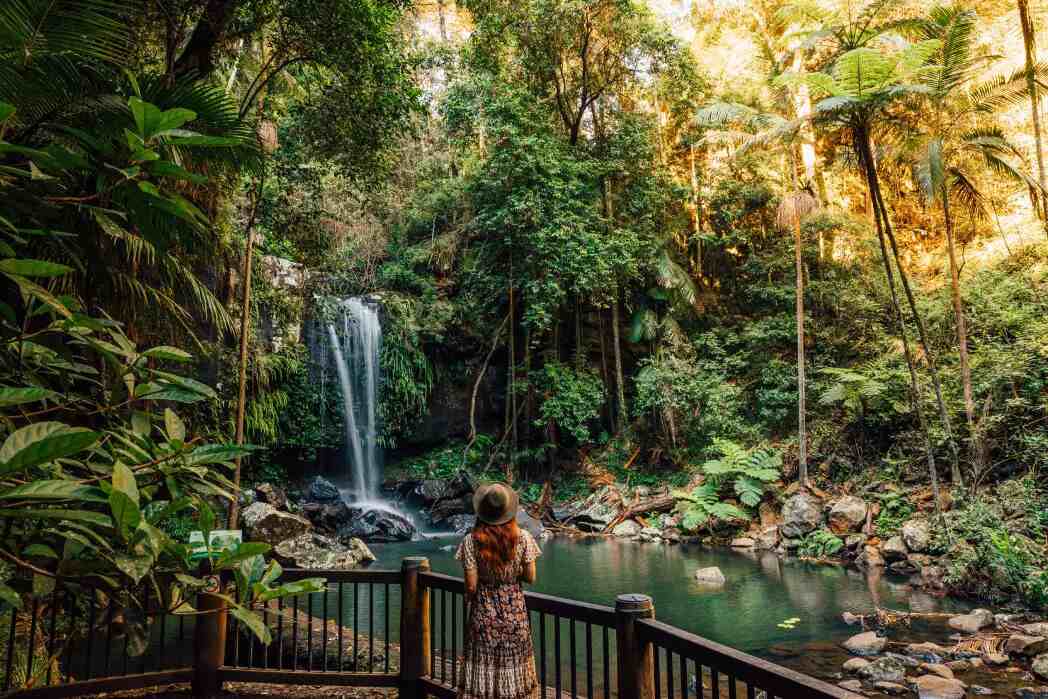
pixel 360 575
pixel 749 668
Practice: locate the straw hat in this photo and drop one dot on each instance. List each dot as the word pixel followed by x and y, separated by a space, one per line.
pixel 495 503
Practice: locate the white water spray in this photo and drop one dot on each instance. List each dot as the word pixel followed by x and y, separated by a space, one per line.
pixel 356 359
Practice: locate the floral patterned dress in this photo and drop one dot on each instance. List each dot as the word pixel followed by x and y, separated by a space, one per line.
pixel 499 661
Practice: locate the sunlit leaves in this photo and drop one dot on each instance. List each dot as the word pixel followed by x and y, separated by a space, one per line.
pixel 41 442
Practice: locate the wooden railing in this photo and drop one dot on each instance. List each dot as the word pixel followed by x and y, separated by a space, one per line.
pixel 381 628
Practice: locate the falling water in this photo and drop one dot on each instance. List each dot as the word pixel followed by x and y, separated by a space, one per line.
pixel 356 351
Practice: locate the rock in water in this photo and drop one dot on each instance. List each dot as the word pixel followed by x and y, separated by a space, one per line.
pixel 1040 666
pixel 868 643
pixel 263 522
pixel 710 576
pixel 327 516
pixel 768 538
pixel 531 525
pixel 317 552
pixel 626 530
pixel 461 524
pixel 894 549
pixel 935 687
pixel 917 533
pixel 884 669
pixel 271 495
pixel 801 514
pixel 854 664
pixel 847 515
pixel 1032 693
pixel 971 622
pixel 597 511
pixel 1029 646
pixel 323 490
pixel 893 688
pixel 376 526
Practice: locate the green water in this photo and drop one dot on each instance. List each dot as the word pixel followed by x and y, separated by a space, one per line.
pixel 761 592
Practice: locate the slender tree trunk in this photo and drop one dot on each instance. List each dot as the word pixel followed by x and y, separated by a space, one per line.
pixel 619 383
pixel 873 185
pixel 962 333
pixel 245 340
pixel 695 228
pixel 1029 44
pixel 511 380
pixel 802 430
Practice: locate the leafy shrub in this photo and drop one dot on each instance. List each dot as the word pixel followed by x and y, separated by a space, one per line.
pixel 746 471
pixel 820 543
pixel 572 399
pixel 895 511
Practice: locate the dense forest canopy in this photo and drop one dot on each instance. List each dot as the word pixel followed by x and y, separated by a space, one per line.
pixel 736 247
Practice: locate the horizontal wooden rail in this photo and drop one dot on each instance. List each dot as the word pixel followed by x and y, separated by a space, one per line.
pixel 306 678
pixel 776 680
pixel 105 684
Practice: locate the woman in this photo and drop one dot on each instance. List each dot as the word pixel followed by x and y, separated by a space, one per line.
pixel 497 556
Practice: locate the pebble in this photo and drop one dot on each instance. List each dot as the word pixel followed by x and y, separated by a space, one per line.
pixel 855 664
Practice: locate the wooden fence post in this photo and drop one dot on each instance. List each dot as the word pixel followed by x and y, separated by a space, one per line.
pixel 636 657
pixel 209 638
pixel 414 628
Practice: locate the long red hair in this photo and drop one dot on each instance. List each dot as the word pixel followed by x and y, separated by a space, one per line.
pixel 495 543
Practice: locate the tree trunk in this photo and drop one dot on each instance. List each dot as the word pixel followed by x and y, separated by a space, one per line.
pixel 1029 42
pixel 802 431
pixel 198 55
pixel 862 140
pixel 245 337
pixel 962 333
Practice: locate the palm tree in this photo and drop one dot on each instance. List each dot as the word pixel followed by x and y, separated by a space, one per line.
pixel 945 149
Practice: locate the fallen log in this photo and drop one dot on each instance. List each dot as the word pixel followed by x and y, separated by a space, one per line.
pixel 639 508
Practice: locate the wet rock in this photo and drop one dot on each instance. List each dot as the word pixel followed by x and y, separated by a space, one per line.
pixel 597 511
pixel 322 490
pixel 971 622
pixel 848 514
pixel 314 551
pixel 892 688
pixel 927 652
pixel 531 525
pixel 1040 666
pixel 850 619
pixel 627 529
pixel 906 660
pixel 265 523
pixel 769 516
pixel 376 526
pixel 1039 628
pixel 854 541
pixel 894 549
pixel 995 659
pixel 1032 692
pixel 932 577
pixel 743 542
pixel 853 665
pixel 428 492
pixel 886 669
pixel 959 665
pixel 671 535
pixel 768 538
pixel 1020 644
pixel 801 513
pixel 650 534
pixel 710 576
pixel 851 685
pixel 271 495
pixel 447 508
pixel 920 560
pixel 937 669
pixel 460 524
pixel 917 533
pixel 903 568
pixel 865 644
pixel 935 687
pixel 870 557
pixel 329 516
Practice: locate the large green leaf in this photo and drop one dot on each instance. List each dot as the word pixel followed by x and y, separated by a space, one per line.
pixel 55 490
pixel 41 442
pixel 173 354
pixel 20 395
pixel 292 589
pixel 34 268
pixel 126 514
pixel 124 482
pixel 217 453
pixel 252 621
pixel 95 518
pixel 173 425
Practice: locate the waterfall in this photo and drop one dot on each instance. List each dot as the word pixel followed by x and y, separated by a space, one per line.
pixel 355 346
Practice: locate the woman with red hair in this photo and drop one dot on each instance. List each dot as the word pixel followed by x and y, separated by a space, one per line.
pixel 497 556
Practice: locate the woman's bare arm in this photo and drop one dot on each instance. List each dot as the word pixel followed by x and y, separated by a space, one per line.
pixel 471 581
pixel 528 573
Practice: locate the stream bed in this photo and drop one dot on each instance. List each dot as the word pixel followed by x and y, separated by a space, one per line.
pixel 761 592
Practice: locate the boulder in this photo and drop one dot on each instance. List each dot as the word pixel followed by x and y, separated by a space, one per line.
pixel 743 542
pixel 322 490
pixel 927 652
pixel 884 669
pixel 447 508
pixel 314 551
pixel 850 619
pixel 328 516
pixel 768 538
pixel 1039 628
pixel 801 513
pixel 427 492
pixel 847 515
pixel 626 530
pixel 650 534
pixel 917 533
pixel 265 523
pixel 865 644
pixel 906 660
pixel 937 669
pixel 1040 666
pixel 996 659
pixel 854 541
pixel 376 525
pixel 932 577
pixel 903 568
pixel 959 665
pixel 1020 644
pixel 769 516
pixel 531 525
pixel 894 549
pixel 854 664
pixel 935 687
pixel 271 495
pixel 460 524
pixel 671 535
pixel 870 557
pixel 597 511
pixel 972 622
pixel 892 688
pixel 710 576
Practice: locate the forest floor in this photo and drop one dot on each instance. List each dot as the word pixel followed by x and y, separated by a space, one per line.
pixel 248 690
